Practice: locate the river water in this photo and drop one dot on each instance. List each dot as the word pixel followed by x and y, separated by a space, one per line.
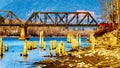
pixel 12 58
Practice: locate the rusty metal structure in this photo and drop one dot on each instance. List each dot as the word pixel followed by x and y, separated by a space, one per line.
pixel 9 18
pixel 51 19
pixel 61 19
pixel 42 19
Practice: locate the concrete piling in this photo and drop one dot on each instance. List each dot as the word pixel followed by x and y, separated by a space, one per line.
pixel 28 45
pixel 41 39
pixel 54 44
pixel 25 48
pixel 51 53
pixel 34 45
pixel 51 45
pixel 78 39
pixel 22 33
pixel 44 45
pixel 80 42
pixel 60 50
pixel 70 36
pixel 92 40
pixel 6 47
pixel 1 47
pixel 74 44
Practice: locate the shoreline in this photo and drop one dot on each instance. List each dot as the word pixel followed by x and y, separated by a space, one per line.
pixel 38 37
pixel 82 59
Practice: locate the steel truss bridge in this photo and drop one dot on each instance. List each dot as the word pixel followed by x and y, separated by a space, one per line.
pixel 41 19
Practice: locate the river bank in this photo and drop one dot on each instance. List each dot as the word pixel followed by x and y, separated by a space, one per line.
pixel 101 57
pixel 105 55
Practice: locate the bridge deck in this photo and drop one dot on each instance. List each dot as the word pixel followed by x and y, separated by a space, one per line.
pixel 42 25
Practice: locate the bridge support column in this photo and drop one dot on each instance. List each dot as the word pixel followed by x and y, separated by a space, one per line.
pixel 23 33
pixel 1 48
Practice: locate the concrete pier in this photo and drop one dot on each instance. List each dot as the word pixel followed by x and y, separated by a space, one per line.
pixel 23 33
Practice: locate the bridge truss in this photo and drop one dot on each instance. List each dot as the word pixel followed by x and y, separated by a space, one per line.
pixel 61 19
pixel 41 19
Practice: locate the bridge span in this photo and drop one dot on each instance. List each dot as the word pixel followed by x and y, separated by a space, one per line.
pixel 53 19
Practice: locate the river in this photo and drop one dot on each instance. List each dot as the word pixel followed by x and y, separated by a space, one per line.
pixel 12 58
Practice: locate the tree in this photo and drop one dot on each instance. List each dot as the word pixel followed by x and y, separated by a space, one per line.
pixel 1 19
pixel 111 9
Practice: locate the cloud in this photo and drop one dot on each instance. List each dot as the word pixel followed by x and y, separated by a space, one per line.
pixel 82 15
pixel 30 12
pixel 91 12
pixel 96 17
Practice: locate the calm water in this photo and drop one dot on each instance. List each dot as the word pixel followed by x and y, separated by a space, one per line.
pixel 12 58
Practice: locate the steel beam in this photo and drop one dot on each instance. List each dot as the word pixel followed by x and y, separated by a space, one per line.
pixel 63 18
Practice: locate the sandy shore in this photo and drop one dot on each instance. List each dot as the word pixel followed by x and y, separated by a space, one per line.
pixel 106 54
pixel 82 59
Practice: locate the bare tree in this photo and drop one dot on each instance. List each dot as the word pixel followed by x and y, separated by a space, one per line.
pixel 1 19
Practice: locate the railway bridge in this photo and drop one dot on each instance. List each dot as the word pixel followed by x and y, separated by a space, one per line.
pixel 42 19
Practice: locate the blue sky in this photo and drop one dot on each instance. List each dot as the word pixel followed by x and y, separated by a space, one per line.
pixel 51 5
pixel 4 3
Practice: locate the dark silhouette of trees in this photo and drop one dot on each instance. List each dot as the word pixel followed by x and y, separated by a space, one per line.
pixel 1 19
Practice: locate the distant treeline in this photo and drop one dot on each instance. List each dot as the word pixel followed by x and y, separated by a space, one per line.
pixel 34 31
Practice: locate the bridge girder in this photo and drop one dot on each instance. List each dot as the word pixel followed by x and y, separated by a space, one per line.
pixel 52 19
pixel 10 17
pixel 61 19
pixel 41 19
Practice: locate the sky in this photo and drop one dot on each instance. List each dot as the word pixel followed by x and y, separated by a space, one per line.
pixel 92 6
pixel 4 3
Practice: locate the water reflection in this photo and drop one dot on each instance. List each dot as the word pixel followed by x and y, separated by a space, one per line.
pixel 21 53
pixel 25 58
pixel 1 57
pixel 38 66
